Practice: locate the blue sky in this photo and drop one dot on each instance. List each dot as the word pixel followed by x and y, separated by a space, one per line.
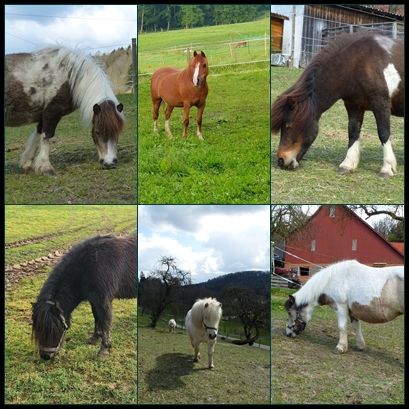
pixel 206 240
pixel 91 27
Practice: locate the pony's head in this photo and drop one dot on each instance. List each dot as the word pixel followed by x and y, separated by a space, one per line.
pixel 298 317
pixel 293 114
pixel 107 124
pixel 212 313
pixel 49 327
pixel 199 68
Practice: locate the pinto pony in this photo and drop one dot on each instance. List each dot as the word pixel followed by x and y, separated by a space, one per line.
pixel 354 290
pixel 183 89
pixel 366 71
pixel 172 325
pixel 202 325
pixel 97 270
pixel 44 86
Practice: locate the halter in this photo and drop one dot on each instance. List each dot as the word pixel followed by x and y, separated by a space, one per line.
pixel 64 323
pixel 298 320
pixel 207 327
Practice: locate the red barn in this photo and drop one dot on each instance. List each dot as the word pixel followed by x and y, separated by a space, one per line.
pixel 335 233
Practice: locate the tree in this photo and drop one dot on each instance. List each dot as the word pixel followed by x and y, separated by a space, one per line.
pixel 158 289
pixel 390 229
pixel 191 16
pixel 251 308
pixel 286 219
pixel 395 212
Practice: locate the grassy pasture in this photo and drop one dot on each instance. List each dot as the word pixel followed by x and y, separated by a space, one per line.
pixel 232 164
pixel 317 180
pixel 80 178
pixel 305 370
pixel 75 375
pixel 167 373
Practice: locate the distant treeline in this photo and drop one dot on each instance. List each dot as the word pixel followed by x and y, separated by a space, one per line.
pixel 158 17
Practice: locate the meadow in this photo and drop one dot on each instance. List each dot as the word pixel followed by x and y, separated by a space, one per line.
pixel 79 176
pixel 232 164
pixel 167 373
pixel 75 375
pixel 316 180
pixel 305 370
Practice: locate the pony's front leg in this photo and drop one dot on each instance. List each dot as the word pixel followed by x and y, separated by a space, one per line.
pixel 197 352
pixel 355 118
pixel 210 352
pixel 186 109
pixel 199 121
pixel 360 342
pixel 342 315
pixel 42 163
pixel 26 159
pixel 168 113
pixel 106 321
pixel 97 330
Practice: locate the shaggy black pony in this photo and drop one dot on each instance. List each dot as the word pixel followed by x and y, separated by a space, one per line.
pixel 97 270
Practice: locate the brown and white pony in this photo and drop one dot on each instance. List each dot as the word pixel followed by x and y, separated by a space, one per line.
pixel 182 89
pixel 44 86
pixel 366 71
pixel 354 291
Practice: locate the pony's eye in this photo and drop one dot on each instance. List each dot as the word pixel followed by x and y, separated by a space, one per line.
pixel 204 65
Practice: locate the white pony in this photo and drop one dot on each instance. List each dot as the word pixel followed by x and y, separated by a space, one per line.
pixel 172 325
pixel 202 323
pixel 354 290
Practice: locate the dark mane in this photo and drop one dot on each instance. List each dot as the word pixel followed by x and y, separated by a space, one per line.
pixel 109 121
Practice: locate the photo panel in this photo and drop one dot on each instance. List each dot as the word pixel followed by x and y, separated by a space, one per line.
pixel 203 304
pixel 70 304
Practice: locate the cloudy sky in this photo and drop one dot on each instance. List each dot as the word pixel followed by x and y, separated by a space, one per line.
pixel 92 27
pixel 206 240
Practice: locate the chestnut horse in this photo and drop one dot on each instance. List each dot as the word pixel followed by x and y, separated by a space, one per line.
pixel 181 88
pixel 44 86
pixel 366 71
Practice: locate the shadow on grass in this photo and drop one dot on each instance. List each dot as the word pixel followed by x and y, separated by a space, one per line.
pixel 169 370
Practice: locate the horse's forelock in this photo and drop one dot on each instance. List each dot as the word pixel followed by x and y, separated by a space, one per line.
pixel 110 121
pixel 47 326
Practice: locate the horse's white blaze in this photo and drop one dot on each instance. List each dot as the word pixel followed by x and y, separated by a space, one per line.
pixel 111 152
pixel 196 75
pixel 385 42
pixel 389 160
pixel 204 313
pixel 27 156
pixel 352 158
pixel 392 79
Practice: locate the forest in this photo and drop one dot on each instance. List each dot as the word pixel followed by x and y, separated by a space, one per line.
pixel 164 17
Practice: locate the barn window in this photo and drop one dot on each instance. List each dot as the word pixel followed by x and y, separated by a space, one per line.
pixel 304 271
pixel 354 245
pixel 332 211
pixel 313 245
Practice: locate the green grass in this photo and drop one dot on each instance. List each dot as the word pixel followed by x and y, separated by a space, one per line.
pixel 167 374
pixel 75 375
pixel 166 48
pixel 305 370
pixel 317 180
pixel 80 178
pixel 232 164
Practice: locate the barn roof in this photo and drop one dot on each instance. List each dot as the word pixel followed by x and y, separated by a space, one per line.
pixel 379 10
pixel 279 16
pixel 363 222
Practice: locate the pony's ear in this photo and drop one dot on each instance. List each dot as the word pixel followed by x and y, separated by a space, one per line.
pixel 194 53
pixel 203 54
pixel 96 108
pixel 220 304
pixel 289 303
pixel 206 305
pixel 120 107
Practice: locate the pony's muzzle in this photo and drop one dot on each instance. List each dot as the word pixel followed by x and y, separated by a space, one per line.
pixel 280 163
pixel 212 336
pixel 46 356
pixel 108 165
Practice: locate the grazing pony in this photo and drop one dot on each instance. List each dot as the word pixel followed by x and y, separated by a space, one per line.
pixel 97 270
pixel 366 71
pixel 172 325
pixel 44 86
pixel 183 89
pixel 353 290
pixel 202 325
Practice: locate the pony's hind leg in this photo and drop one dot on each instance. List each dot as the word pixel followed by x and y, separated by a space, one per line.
pixel 42 163
pixel 26 159
pixel 97 329
pixel 342 315
pixel 186 110
pixel 155 112
pixel 168 113
pixel 360 342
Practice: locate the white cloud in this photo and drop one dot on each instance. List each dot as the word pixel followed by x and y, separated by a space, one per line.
pixel 85 27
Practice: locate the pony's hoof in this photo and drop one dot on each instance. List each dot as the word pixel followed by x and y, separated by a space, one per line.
pixel 92 341
pixel 45 171
pixel 28 169
pixel 103 354
pixel 196 360
pixel 211 367
pixel 200 136
pixel 339 351
pixel 385 175
pixel 344 171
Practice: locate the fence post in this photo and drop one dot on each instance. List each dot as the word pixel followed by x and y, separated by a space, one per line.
pixel 134 70
pixel 265 44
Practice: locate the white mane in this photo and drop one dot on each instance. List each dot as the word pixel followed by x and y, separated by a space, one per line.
pixel 212 313
pixel 88 82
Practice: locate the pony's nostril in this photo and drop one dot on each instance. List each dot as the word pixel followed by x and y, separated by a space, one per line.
pixel 101 161
pixel 280 162
pixel 46 357
pixel 115 160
